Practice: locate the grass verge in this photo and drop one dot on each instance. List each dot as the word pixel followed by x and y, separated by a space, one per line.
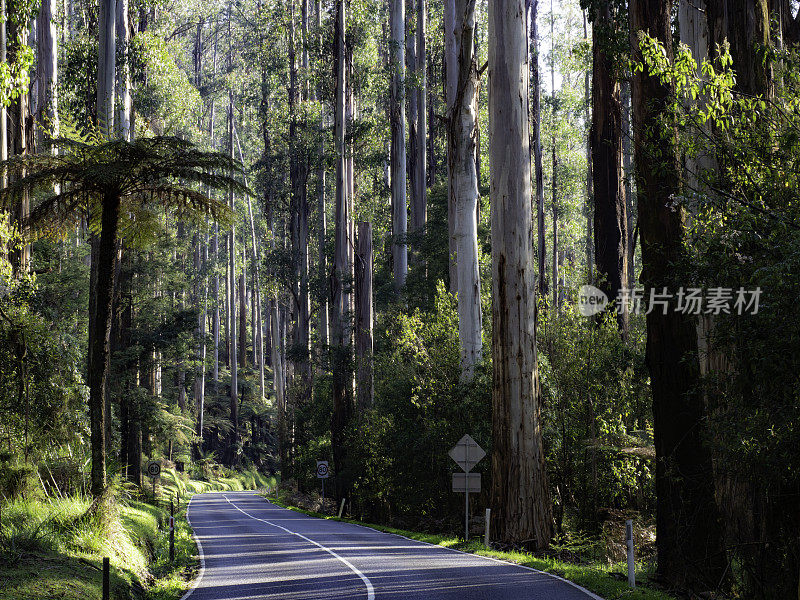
pixel 604 580
pixel 54 548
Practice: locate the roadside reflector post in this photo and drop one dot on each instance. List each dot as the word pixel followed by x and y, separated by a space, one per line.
pixel 486 530
pixel 466 515
pixel 171 532
pixel 106 578
pixel 341 508
pixel 631 563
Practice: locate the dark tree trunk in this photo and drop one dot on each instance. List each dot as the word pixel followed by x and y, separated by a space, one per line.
pixel 745 24
pixel 340 334
pixel 536 145
pixel 689 539
pixel 99 347
pixel 364 315
pixel 610 208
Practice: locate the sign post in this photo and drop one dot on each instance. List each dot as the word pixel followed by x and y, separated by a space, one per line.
pixel 323 473
pixel 466 453
pixel 153 469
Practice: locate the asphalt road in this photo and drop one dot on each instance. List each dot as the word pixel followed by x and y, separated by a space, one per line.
pixel 252 549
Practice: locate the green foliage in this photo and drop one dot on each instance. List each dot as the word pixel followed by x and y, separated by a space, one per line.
pixel 743 197
pixel 596 397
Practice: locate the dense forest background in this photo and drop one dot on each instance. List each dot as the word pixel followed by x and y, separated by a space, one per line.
pixel 304 262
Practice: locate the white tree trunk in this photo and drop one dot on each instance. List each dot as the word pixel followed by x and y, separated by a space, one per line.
pixel 398 156
pixel 521 508
pixel 47 71
pixel 451 49
pixel 124 122
pixel 464 188
pixel 419 212
pixel 106 60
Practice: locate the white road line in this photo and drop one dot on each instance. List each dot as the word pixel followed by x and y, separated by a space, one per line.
pixel 197 579
pixel 364 578
pixel 507 563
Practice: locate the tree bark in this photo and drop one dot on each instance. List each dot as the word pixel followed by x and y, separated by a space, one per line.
pixel 627 170
pixel 340 351
pixel 322 268
pixel 106 61
pixel 521 508
pixel 364 317
pixel 554 159
pixel 234 391
pixel 124 116
pixel 588 209
pixel 746 26
pixel 464 188
pixel 46 113
pixel 419 210
pixel 99 348
pixel 536 143
pixel 452 22
pixel 610 208
pixel 398 154
pixel 689 540
pixel 415 135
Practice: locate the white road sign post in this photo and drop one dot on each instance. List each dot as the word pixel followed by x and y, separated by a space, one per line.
pixel 323 473
pixel 467 453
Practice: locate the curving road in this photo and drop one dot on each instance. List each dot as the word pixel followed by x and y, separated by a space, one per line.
pixel 252 549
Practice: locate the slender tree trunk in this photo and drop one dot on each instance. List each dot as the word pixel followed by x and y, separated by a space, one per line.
pixel 243 317
pixel 299 216
pixel 536 143
pixel 398 155
pixel 464 188
pixel 258 324
pixel 106 60
pixel 689 539
pixel 124 123
pixel 627 169
pixel 610 208
pixel 521 510
pixel 588 207
pixel 200 302
pixel 452 22
pixel 554 160
pixel 234 391
pixel 3 108
pixel 46 112
pixel 304 32
pixel 20 143
pixel 340 357
pixel 364 317
pixel 419 211
pixel 324 330
pixel 415 137
pixel 431 124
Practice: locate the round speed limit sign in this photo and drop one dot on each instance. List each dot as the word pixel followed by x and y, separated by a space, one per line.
pixel 322 469
pixel 153 468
